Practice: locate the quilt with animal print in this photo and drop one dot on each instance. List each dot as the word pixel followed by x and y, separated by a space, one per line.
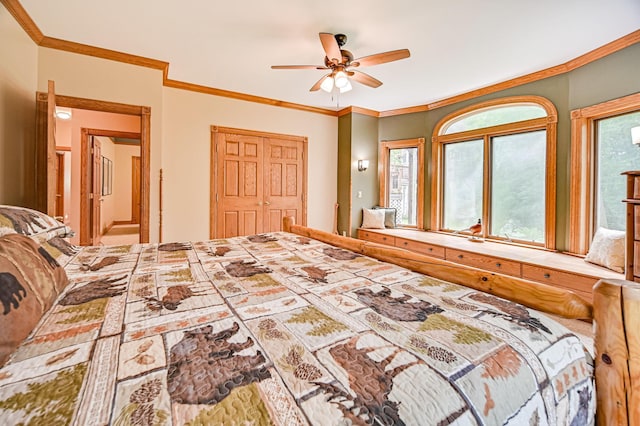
pixel 285 330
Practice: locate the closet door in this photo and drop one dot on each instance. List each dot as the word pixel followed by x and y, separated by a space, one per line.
pixel 284 182
pixel 239 179
pixel 257 178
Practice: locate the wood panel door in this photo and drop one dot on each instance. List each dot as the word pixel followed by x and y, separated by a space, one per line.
pixel 59 205
pixel 284 187
pixel 257 178
pixel 239 185
pixel 135 189
pixel 96 191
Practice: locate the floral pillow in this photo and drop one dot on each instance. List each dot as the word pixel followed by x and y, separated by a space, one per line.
pixel 30 281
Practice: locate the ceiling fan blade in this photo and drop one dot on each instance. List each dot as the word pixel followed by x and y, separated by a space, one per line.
pixel 298 67
pixel 331 48
pixel 381 58
pixel 316 86
pixel 366 79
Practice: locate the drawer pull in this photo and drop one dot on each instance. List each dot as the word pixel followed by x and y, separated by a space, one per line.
pixel 547 275
pixel 459 256
pixel 430 249
pixel 384 238
pixel 498 264
pixel 405 243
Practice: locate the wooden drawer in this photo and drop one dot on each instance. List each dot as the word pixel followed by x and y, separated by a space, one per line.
pixel 636 187
pixel 488 263
pixel 375 237
pixel 636 222
pixel 420 247
pixel 559 278
pixel 636 258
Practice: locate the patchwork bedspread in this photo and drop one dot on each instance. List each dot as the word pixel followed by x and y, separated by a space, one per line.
pixel 281 329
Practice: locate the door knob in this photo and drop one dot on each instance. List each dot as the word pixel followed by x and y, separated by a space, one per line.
pixel 259 203
pixel 267 203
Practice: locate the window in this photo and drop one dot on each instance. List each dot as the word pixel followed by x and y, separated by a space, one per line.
pixel 614 154
pixel 401 180
pixel 496 162
pixel 601 149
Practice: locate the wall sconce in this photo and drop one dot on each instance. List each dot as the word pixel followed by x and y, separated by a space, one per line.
pixel 363 165
pixel 635 135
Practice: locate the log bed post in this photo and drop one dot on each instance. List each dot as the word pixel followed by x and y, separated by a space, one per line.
pixel 615 311
pixel 617 352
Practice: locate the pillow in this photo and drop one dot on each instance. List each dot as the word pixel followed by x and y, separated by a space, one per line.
pixel 389 216
pixel 32 223
pixel 30 281
pixel 372 219
pixel 607 249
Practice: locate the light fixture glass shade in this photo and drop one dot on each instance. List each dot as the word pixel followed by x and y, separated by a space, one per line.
pixel 635 135
pixel 346 88
pixel 341 79
pixel 63 113
pixel 327 84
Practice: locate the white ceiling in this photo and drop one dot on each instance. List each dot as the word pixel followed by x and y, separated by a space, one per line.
pixel 456 45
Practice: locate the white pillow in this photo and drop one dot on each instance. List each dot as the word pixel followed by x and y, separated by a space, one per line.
pixel 373 219
pixel 607 249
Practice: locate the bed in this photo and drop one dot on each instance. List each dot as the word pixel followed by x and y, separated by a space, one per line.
pixel 278 328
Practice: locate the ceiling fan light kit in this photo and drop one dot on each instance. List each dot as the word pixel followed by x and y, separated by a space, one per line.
pixel 339 60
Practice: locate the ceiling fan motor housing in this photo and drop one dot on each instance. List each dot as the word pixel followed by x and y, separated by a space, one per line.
pixel 347 58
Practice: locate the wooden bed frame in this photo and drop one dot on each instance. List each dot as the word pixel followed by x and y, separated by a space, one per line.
pixel 615 314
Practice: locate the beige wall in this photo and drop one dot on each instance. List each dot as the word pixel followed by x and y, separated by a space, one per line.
pixel 187 121
pixel 122 180
pixel 180 136
pixel 94 78
pixel 18 82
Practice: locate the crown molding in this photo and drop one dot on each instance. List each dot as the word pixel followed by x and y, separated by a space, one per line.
pixel 358 110
pixel 29 26
pixel 245 97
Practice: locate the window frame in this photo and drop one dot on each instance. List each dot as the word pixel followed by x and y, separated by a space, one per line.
pixel 439 140
pixel 583 163
pixel 384 176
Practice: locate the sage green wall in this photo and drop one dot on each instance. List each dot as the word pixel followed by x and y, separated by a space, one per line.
pixel 608 78
pixel 357 140
pixel 344 172
pixel 364 185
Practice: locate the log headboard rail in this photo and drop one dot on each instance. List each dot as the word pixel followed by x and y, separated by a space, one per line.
pixel 615 313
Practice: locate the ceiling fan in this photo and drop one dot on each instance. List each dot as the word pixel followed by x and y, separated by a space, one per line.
pixel 340 62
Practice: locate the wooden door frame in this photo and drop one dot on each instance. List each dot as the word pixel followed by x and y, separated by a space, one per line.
pixel 144 112
pixel 85 181
pixel 45 171
pixel 213 169
pixel 135 190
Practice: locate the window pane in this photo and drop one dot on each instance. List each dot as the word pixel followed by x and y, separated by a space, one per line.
pixel 494 116
pixel 518 186
pixel 403 188
pixel 615 154
pixel 463 171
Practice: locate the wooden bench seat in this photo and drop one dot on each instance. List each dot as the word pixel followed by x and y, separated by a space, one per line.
pixel 558 269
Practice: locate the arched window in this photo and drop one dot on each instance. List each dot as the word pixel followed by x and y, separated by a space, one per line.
pixel 496 161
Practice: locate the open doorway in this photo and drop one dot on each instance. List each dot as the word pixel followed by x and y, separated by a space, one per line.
pixel 48 179
pixel 110 186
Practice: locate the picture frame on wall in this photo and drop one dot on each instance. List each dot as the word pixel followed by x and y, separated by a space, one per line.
pixel 107 176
